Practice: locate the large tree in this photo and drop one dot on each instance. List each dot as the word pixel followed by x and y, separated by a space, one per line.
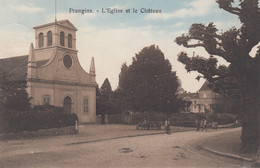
pixel 106 90
pixel 14 101
pixel 105 99
pixel 120 95
pixel 149 84
pixel 241 77
pixel 13 95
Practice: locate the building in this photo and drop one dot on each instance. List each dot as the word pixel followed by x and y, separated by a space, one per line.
pixel 53 73
pixel 192 98
pixel 201 101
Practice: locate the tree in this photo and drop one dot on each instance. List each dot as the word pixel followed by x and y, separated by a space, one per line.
pixel 13 95
pixel 184 105
pixel 106 91
pixel 229 105
pixel 122 84
pixel 106 87
pixel 105 100
pixel 120 95
pixel 241 77
pixel 14 101
pixel 149 83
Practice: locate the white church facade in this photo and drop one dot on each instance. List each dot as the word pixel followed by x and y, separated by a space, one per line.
pixel 53 72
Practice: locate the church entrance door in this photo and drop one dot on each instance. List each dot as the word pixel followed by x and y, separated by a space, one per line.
pixel 67 103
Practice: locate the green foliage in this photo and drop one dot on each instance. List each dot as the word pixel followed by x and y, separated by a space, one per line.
pixel 229 105
pixel 123 77
pixel 223 118
pixel 13 95
pixel 105 100
pixel 40 117
pixel 149 83
pixel 183 104
pixel 106 87
pixel 138 117
pixel 185 119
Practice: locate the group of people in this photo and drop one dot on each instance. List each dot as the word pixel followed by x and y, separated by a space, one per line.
pixel 201 123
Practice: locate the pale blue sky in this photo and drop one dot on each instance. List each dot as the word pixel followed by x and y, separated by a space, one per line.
pixel 113 39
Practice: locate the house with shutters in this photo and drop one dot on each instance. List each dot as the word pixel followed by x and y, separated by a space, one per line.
pixel 53 72
pixel 202 101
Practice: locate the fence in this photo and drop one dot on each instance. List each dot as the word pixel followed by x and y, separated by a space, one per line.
pixel 133 118
pixel 176 119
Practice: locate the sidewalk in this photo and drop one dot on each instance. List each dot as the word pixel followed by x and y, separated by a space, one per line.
pixel 227 145
pixel 96 132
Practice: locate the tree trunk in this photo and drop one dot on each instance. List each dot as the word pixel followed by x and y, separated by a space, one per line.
pixel 250 135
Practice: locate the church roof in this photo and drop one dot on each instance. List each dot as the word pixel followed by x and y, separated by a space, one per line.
pixel 16 67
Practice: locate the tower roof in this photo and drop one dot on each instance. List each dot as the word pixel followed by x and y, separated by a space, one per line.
pixel 92 66
pixel 31 58
pixel 64 23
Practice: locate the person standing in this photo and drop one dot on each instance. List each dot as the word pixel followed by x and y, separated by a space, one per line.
pixel 204 124
pixel 197 124
pixel 167 126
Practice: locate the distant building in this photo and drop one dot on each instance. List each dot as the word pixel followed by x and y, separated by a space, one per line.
pixel 201 101
pixel 53 73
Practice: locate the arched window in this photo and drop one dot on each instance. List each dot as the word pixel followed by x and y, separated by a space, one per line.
pixel 62 38
pixel 41 40
pixel 49 38
pixel 67 104
pixel 70 41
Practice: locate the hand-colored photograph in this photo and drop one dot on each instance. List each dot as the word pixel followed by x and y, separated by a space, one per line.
pixel 109 83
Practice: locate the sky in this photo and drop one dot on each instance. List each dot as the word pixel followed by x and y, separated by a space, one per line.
pixel 114 38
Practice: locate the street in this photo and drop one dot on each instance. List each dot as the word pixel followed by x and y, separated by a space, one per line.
pixel 175 150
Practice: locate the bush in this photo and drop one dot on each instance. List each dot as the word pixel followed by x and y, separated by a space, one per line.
pixel 223 118
pixel 40 117
pixel 138 117
pixel 184 119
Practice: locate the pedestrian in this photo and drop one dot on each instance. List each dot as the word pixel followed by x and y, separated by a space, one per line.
pixel 204 125
pixel 215 125
pixel 197 124
pixel 167 126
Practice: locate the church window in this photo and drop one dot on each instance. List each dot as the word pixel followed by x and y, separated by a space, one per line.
pixel 67 61
pixel 204 95
pixel 85 105
pixel 67 104
pixel 62 36
pixel 49 38
pixel 70 41
pixel 41 40
pixel 46 99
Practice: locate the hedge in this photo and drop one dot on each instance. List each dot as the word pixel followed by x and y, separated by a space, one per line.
pixel 40 117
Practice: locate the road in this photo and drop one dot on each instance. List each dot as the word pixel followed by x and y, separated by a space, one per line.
pixel 175 150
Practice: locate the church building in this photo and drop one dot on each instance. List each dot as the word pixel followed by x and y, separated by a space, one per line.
pixel 53 73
